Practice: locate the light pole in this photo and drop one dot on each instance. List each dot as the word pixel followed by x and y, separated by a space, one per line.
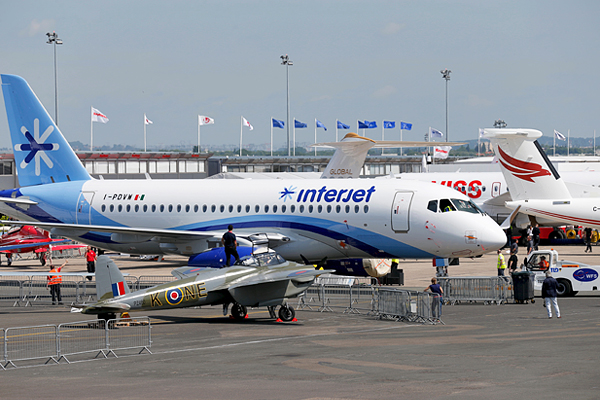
pixel 285 60
pixel 446 76
pixel 54 39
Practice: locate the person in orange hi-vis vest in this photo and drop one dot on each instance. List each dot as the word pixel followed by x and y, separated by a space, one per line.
pixel 54 282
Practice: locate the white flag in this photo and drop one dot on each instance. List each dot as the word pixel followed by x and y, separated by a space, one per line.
pixel 203 120
pixel 435 133
pixel 441 151
pixel 481 132
pixel 245 121
pixel 559 135
pixel 97 116
pixel 147 121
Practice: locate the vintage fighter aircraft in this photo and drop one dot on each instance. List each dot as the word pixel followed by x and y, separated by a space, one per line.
pixel 258 280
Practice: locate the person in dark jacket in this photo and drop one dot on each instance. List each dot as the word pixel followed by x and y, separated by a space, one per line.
pixel 230 243
pixel 549 294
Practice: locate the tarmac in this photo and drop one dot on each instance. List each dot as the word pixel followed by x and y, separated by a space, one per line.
pixel 481 351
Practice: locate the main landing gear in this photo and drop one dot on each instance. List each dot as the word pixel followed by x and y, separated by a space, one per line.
pixel 286 313
pixel 239 312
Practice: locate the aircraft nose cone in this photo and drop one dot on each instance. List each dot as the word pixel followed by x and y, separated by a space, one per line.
pixel 492 237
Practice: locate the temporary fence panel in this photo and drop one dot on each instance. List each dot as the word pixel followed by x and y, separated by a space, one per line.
pixel 82 337
pixel 30 343
pixel 129 333
pixel 486 289
pixel 12 290
pixel 2 348
pixel 146 282
pixel 39 291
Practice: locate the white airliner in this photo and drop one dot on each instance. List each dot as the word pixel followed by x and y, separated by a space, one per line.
pixel 534 184
pixel 334 218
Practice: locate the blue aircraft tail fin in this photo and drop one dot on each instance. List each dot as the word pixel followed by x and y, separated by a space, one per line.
pixel 109 279
pixel 42 154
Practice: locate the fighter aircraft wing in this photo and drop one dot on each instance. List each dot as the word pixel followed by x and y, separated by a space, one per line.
pixel 32 244
pixel 301 274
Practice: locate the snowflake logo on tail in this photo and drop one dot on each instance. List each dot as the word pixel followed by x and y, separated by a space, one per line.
pixel 37 148
pixel 287 193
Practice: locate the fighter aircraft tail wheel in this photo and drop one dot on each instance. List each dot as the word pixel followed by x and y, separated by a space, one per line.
pixel 286 313
pixel 239 311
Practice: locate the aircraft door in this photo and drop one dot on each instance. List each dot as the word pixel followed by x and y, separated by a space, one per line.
pixel 83 213
pixel 401 211
pixel 496 186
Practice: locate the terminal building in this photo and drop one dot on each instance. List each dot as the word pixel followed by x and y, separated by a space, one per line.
pixel 179 165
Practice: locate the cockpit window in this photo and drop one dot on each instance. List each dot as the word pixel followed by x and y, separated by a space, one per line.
pixel 261 260
pixel 432 206
pixel 466 205
pixel 446 205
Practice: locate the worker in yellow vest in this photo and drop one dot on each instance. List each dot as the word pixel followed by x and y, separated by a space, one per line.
pixel 54 281
pixel 501 264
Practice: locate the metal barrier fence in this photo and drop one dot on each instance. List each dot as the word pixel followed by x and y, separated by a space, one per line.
pixel 496 289
pixel 33 290
pixel 52 343
pixel 385 303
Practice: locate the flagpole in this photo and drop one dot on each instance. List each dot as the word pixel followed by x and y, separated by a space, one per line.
pixel 241 127
pixel 198 134
pixel 554 146
pixel 315 136
pixel 594 143
pixel 294 136
pixel 145 133
pixel 336 130
pixel 400 136
pixel 568 142
pixel 271 123
pixel 382 134
pixel 92 129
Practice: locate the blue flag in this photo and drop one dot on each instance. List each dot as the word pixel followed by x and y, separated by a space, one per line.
pixel 278 124
pixel 389 124
pixel 298 124
pixel 342 125
pixel 405 125
pixel 320 124
pixel 362 125
pixel 371 124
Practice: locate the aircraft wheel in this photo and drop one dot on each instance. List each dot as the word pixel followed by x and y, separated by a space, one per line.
pixel 286 313
pixel 238 311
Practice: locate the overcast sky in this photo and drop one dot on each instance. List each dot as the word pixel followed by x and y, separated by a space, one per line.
pixel 531 63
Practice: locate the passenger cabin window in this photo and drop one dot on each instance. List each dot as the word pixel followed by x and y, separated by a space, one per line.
pixel 432 206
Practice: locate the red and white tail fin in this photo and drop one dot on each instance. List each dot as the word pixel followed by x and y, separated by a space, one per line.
pixel 528 172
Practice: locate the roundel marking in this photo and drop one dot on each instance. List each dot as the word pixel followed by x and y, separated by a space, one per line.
pixel 173 296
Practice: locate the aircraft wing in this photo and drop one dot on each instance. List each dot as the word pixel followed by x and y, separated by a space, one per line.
pixel 32 244
pixel 300 274
pixel 499 201
pixel 122 233
pixel 19 200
